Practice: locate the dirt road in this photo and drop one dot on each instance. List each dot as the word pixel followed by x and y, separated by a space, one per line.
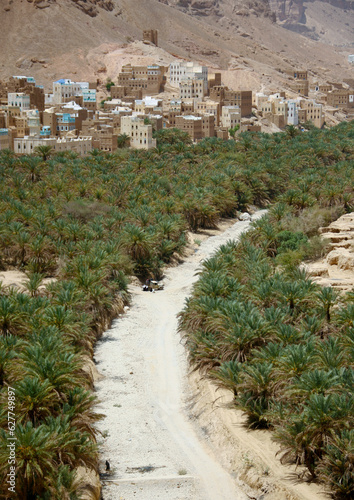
pixel 155 449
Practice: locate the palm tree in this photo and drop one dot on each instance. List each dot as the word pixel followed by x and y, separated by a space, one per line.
pixel 336 467
pixel 35 399
pixel 32 163
pixel 80 408
pixel 44 151
pixel 291 131
pixel 327 298
pixel 35 459
pixel 257 392
pixel 11 318
pixel 228 375
pixel 9 347
pixel 33 283
pixel 139 245
pixel 123 141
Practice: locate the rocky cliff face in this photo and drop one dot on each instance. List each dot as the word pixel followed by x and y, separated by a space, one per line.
pixel 90 7
pixel 289 13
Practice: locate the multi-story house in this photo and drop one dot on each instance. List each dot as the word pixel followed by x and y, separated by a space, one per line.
pixel 140 133
pixel 300 74
pixel 149 79
pixel 21 126
pixel 209 108
pixel 191 89
pixel 313 112
pixel 230 116
pixel 190 124
pixel 65 124
pixel 33 122
pixel 197 127
pixel 184 70
pixel 227 97
pixel 64 88
pixel 89 99
pixel 293 114
pixel 19 100
pixel 300 87
pixel 340 98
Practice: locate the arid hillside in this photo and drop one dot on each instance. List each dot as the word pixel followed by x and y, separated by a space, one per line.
pixel 255 41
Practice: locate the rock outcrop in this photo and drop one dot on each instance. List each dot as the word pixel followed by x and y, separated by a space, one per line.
pixel 290 14
pixel 337 268
pixel 90 7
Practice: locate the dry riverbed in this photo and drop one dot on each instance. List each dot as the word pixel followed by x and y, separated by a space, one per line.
pixel 167 435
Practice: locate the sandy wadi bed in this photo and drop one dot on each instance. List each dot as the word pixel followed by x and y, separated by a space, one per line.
pixel 169 436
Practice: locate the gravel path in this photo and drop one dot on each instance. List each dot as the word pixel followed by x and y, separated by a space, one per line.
pixel 156 451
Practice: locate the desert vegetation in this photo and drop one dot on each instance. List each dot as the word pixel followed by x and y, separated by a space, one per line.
pixel 91 223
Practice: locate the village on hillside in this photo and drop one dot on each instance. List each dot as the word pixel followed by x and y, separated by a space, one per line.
pixel 82 116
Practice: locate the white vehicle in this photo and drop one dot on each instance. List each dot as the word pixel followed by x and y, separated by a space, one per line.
pixel 152 285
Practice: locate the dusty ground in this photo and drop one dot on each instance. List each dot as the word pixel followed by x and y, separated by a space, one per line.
pixel 15 279
pixel 163 435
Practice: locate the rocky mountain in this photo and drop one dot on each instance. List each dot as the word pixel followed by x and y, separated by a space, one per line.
pixel 290 14
pixel 90 7
pixel 254 43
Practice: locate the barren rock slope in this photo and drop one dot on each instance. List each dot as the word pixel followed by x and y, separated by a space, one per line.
pixel 75 38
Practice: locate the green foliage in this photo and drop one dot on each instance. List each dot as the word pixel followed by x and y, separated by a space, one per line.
pixel 92 222
pixel 109 84
pixel 171 136
pixel 258 326
pixel 290 241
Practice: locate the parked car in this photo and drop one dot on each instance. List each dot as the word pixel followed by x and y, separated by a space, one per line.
pixel 152 285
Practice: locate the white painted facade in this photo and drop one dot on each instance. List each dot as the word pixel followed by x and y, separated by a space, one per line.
pixel 19 100
pixel 184 70
pixel 230 116
pixel 33 122
pixel 64 88
pixel 293 114
pixel 27 144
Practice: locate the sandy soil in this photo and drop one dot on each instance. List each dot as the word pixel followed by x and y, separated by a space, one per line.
pixel 168 435
pixel 15 279
pixel 250 455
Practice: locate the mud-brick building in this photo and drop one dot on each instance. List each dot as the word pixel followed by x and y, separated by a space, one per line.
pixel 300 74
pixel 227 97
pixel 341 98
pixel 140 133
pixel 300 87
pixel 150 79
pixel 150 37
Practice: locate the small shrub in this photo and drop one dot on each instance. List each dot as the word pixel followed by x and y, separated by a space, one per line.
pixel 316 248
pixel 291 241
